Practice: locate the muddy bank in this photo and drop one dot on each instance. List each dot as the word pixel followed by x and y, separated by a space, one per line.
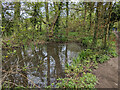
pixel 107 73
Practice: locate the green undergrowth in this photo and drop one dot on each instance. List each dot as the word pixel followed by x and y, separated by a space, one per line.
pixel 86 41
pixel 79 72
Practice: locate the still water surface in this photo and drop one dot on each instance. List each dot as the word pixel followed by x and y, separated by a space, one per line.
pixel 41 65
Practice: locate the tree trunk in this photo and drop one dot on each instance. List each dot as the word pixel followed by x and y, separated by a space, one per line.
pixel 17 15
pixel 67 12
pixel 85 16
pixel 56 20
pixel 90 4
pixel 107 26
pixel 48 64
pixel 47 18
pixel 96 27
pixel 40 22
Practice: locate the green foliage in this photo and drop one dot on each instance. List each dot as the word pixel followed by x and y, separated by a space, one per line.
pixel 32 30
pixel 85 53
pixel 78 74
pixel 60 38
pixel 19 88
pixel 87 56
pixel 73 34
pixel 87 80
pixel 86 41
pixel 99 43
pixel 103 58
pixel 112 52
pixel 26 36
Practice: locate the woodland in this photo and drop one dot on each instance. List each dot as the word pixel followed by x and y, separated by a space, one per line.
pixel 35 34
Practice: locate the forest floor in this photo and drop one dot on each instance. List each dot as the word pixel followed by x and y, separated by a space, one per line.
pixel 107 73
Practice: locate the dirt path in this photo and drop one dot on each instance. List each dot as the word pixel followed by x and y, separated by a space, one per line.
pixel 107 73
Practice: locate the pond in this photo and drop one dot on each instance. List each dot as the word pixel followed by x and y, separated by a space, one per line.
pixel 40 66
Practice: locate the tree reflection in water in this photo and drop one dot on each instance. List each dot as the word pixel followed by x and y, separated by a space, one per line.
pixel 39 66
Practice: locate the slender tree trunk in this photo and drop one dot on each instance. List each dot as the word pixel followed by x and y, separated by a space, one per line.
pixel 17 20
pixel 47 14
pixel 118 26
pixel 48 64
pixel 67 13
pixel 96 27
pixel 90 4
pixel 107 26
pixel 56 23
pixel 35 15
pixel 105 30
pixel 85 15
pixel 3 19
pixel 90 21
pixel 35 18
pixel 17 15
pixel 26 24
pixel 40 26
pixel 66 56
pixel 47 18
pixel 40 22
pixel 105 38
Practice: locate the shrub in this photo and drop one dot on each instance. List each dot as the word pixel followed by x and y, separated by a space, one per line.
pixel 78 74
pixel 103 58
pixel 88 80
pixel 86 41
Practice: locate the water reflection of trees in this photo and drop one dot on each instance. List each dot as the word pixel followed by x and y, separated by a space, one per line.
pixel 42 59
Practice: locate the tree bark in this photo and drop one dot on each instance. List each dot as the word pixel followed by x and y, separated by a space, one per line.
pixel 17 15
pixel 67 13
pixel 56 20
pixel 85 15
pixel 96 27
pixel 47 18
pixel 108 25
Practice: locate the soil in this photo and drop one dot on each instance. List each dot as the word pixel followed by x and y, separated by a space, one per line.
pixel 107 73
